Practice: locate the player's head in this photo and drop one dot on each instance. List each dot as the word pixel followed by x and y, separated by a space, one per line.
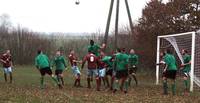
pixel 168 51
pixel 39 51
pixel 184 51
pixel 58 53
pixel 8 51
pixel 118 50
pixel 123 50
pixel 103 45
pixel 91 42
pixel 71 51
pixel 132 51
pixel 162 54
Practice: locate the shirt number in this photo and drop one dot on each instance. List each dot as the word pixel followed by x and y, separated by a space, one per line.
pixel 91 59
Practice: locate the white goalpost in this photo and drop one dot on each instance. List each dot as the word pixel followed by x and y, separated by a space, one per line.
pixel 189 41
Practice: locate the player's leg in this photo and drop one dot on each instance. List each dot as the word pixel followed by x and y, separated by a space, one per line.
pixel 5 74
pixel 103 75
pixel 108 73
pixel 125 85
pixel 89 75
pixel 165 87
pixel 77 74
pixel 134 75
pixel 10 73
pixel 172 76
pixel 112 79
pixel 57 75
pixel 130 76
pixel 54 78
pixel 173 86
pixel 95 72
pixel 116 81
pixel 42 72
pixel 62 79
pixel 186 83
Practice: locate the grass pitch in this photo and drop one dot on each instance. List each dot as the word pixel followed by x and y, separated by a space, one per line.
pixel 25 89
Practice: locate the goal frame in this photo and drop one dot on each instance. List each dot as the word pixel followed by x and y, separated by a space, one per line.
pixel 193 33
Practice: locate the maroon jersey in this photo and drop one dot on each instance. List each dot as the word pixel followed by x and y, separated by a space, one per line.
pixel 72 58
pixel 7 60
pixel 92 61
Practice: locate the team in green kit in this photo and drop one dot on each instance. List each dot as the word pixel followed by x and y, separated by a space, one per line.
pixel 170 70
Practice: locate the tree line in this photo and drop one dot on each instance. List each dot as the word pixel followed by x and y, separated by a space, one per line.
pixel 158 18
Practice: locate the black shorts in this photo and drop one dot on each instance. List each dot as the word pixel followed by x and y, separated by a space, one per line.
pixel 109 72
pixel 171 74
pixel 46 70
pixel 132 70
pixel 121 74
pixel 57 72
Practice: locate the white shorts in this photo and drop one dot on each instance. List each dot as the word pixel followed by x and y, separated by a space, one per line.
pixel 76 70
pixel 102 72
pixel 7 70
pixel 91 72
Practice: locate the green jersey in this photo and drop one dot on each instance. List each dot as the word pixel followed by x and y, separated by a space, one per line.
pixel 121 61
pixel 133 60
pixel 42 61
pixel 187 59
pixel 59 62
pixel 94 49
pixel 170 62
pixel 107 61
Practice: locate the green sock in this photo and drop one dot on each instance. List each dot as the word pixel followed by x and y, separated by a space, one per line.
pixel 42 82
pixel 58 79
pixel 165 86
pixel 116 85
pixel 173 88
pixel 126 85
pixel 186 82
pixel 55 80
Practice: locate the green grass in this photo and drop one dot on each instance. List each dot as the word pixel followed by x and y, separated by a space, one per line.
pixel 25 89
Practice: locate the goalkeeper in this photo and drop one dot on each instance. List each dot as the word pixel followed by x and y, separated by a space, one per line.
pixel 169 71
pixel 186 69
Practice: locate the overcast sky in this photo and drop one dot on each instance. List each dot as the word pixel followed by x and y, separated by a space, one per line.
pixel 65 16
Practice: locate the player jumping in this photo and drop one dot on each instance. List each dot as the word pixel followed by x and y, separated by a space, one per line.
pixel 7 65
pixel 60 63
pixel 73 61
pixel 43 65
pixel 95 48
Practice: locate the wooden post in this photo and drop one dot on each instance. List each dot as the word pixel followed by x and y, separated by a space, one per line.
pixel 108 22
pixel 116 25
pixel 129 16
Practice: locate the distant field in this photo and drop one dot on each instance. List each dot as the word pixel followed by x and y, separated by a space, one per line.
pixel 25 89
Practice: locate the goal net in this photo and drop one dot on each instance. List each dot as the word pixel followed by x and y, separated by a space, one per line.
pixel 176 42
